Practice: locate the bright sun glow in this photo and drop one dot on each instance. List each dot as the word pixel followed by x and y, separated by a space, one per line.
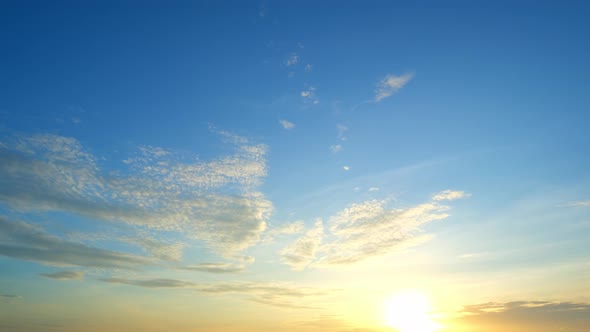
pixel 409 312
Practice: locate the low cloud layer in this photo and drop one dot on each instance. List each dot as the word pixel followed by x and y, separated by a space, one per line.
pixel 25 241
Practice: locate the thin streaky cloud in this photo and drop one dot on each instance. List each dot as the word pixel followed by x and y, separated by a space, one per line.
pixel 578 203
pixel 336 148
pixel 214 268
pixel 450 195
pixel 64 275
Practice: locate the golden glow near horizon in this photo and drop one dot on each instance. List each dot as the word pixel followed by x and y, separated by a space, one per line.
pixel 409 311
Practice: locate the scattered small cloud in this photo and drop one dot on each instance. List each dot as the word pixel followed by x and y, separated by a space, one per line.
pixel 390 84
pixel 336 148
pixel 308 67
pixel 346 168
pixel 342 129
pixel 309 95
pixel 292 60
pixel 372 189
pixel 214 268
pixel 64 275
pixel 449 195
pixel 470 255
pixel 287 124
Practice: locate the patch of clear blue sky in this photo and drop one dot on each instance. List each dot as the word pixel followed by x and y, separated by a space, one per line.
pixel 500 88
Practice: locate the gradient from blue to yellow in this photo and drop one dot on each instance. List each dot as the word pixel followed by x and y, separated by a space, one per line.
pixel 296 166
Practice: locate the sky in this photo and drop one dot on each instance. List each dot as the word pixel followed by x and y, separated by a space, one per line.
pixel 330 166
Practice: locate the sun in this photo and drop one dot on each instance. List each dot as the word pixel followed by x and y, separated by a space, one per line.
pixel 409 312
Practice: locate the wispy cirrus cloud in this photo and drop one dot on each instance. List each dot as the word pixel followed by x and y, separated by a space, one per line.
pixel 364 230
pixel 25 241
pixel 64 275
pixel 391 84
pixel 215 201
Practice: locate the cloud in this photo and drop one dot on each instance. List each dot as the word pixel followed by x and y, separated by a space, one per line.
pixel 346 168
pixel 214 268
pixel 342 129
pixel 308 67
pixel 336 148
pixel 212 201
pixel 362 231
pixel 286 124
pixel 9 296
pixel 449 195
pixel 527 316
pixel 390 84
pixel 303 251
pixel 24 241
pixel 296 227
pixel 274 294
pixel 578 203
pixel 161 250
pixel 372 189
pixel 150 283
pixel 292 60
pixel 309 95
pixel 64 275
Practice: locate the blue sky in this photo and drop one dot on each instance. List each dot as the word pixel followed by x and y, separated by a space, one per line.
pixel 259 151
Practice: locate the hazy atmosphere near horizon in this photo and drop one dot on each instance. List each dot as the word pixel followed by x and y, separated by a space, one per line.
pixel 314 166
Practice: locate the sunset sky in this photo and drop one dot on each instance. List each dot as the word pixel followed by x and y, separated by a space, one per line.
pixel 315 166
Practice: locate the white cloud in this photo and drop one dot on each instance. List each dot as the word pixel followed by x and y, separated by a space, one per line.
pixel 309 95
pixel 449 195
pixel 336 148
pixel 373 189
pixel 578 203
pixel 286 124
pixel 212 201
pixel 292 60
pixel 361 231
pixel 391 84
pixel 303 251
pixel 296 227
pixel 342 129
pixel 308 67
pixel 346 168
